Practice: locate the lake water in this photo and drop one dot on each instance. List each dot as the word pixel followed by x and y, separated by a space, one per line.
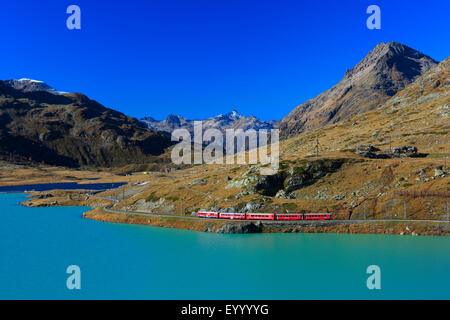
pixel 64 185
pixel 140 262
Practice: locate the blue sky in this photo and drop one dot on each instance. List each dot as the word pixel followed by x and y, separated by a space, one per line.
pixel 203 58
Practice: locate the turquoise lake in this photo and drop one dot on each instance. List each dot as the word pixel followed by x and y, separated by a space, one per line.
pixel 139 262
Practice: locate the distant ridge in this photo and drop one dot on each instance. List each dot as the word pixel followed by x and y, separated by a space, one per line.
pixel 230 120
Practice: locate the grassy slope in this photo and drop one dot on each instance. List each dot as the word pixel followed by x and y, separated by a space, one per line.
pixel 418 116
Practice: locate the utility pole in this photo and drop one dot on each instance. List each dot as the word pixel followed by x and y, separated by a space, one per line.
pixel 317 146
pixel 447 211
pixel 390 143
pixel 364 211
pixel 123 197
pixel 404 209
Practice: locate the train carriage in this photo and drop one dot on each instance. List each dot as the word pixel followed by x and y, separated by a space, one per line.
pixel 260 216
pixel 317 216
pixel 208 214
pixel 232 215
pixel 289 216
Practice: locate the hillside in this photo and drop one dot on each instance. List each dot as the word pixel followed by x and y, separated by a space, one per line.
pixel 338 180
pixel 386 70
pixel 41 126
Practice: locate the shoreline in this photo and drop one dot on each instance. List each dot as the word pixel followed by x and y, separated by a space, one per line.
pixel 414 228
pixel 100 212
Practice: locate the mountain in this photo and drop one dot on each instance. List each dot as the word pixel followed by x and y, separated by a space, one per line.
pixel 416 116
pixel 231 120
pixel 386 70
pixel 37 125
pixel 30 85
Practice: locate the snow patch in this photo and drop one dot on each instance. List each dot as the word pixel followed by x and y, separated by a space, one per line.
pixel 30 80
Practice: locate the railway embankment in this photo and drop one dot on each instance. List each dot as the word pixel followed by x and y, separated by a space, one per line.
pixel 101 211
pixel 387 227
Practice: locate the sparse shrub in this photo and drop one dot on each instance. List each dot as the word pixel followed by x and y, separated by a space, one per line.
pixel 151 197
pixel 406 185
pixel 290 206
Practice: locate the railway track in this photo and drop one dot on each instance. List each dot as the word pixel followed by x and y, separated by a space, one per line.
pixel 108 209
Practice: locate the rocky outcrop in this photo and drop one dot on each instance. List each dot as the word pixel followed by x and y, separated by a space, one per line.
pixel 406 152
pixel 372 152
pixel 284 182
pixel 269 185
pixel 368 151
pixel 198 181
pixel 241 228
pixel 300 177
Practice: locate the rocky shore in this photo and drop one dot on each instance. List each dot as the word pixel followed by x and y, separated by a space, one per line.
pixel 98 212
pixel 413 228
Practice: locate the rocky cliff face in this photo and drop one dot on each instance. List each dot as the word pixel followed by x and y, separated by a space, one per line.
pixel 386 70
pixel 70 129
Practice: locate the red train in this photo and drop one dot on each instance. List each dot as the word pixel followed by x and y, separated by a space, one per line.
pixel 265 216
pixel 208 214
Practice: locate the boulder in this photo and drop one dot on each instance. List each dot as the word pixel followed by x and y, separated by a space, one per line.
pixel 284 195
pixel 252 207
pixel 372 152
pixel 241 228
pixel 199 181
pixel 368 151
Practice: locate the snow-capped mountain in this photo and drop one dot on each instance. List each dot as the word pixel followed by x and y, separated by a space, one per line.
pixel 30 85
pixel 231 120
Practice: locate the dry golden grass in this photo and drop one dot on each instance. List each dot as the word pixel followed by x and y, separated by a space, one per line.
pixel 417 116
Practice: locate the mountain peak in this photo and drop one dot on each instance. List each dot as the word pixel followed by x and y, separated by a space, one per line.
pixel 173 121
pixel 29 85
pixel 222 122
pixel 393 55
pixel 384 71
pixel 29 80
pixel 234 114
